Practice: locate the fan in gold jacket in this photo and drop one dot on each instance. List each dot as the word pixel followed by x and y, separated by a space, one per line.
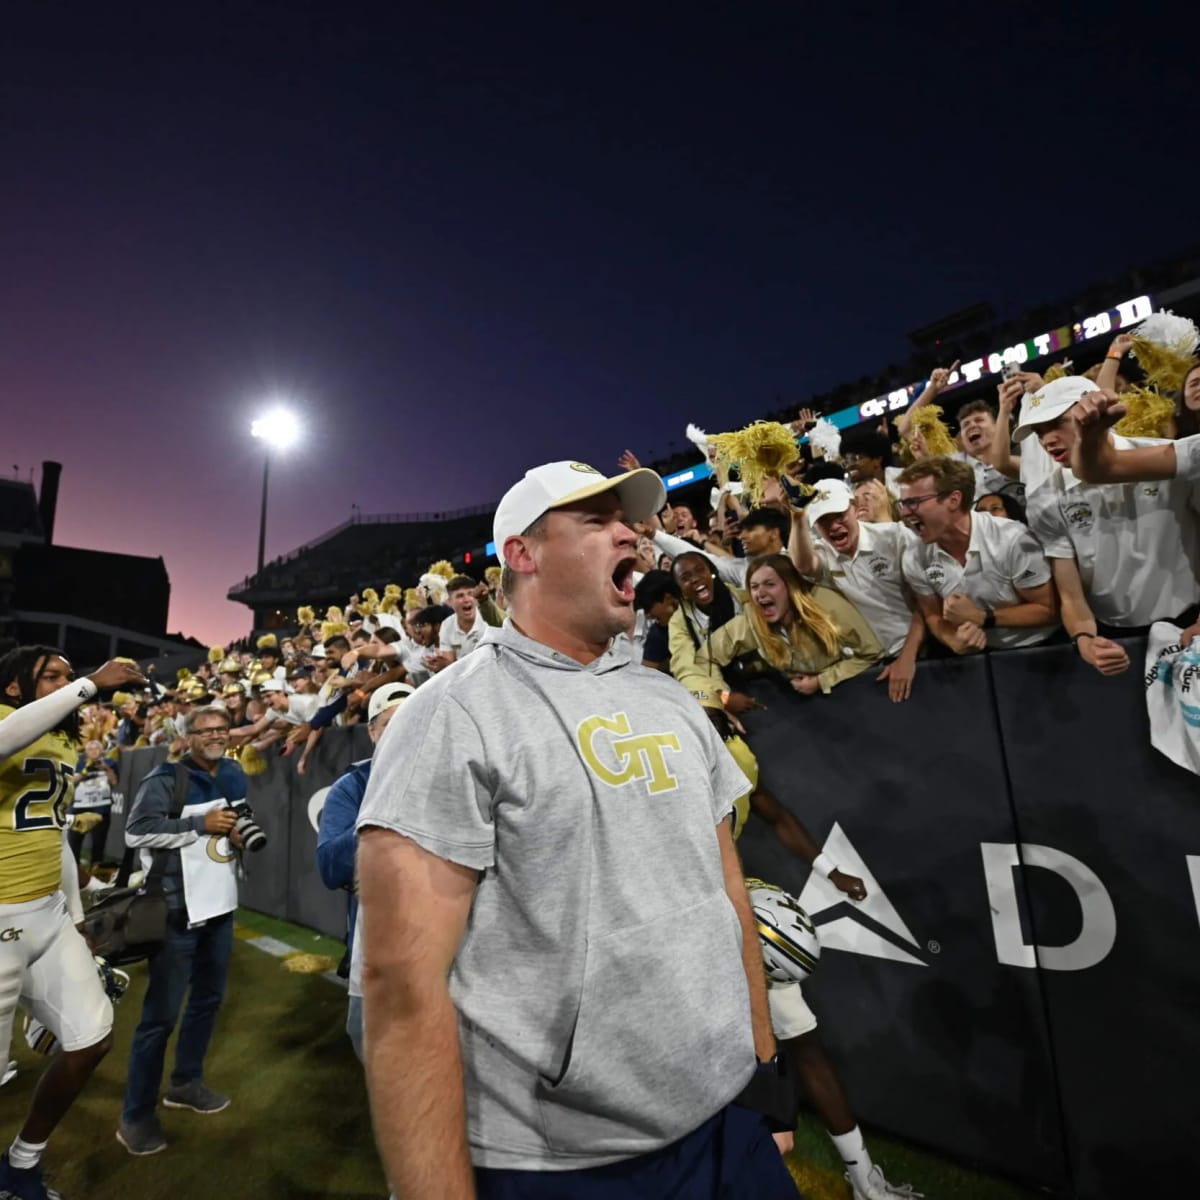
pixel 816 634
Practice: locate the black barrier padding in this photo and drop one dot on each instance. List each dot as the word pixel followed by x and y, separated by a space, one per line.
pixel 310 902
pixel 952 1053
pixel 265 886
pixel 1126 1036
pixel 132 767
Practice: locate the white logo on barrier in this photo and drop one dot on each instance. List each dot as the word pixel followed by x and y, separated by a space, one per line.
pixel 845 933
pixel 1097 933
pixel 316 802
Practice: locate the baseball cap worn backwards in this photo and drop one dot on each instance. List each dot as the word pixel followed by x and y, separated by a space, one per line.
pixel 1050 402
pixel 558 484
pixel 387 697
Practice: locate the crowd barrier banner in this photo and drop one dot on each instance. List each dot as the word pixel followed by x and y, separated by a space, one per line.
pixel 132 767
pixel 265 886
pixel 1111 866
pixel 1019 988
pixel 933 1038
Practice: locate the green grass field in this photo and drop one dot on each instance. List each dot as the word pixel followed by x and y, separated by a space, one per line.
pixel 299 1126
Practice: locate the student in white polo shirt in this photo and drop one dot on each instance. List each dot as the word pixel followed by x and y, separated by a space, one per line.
pixel 982 583
pixel 976 434
pixel 1124 554
pixel 462 632
pixel 863 561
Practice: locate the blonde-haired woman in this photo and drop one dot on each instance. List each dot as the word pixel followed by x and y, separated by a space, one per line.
pixel 811 634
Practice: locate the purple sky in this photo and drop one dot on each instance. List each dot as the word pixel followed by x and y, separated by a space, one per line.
pixel 467 239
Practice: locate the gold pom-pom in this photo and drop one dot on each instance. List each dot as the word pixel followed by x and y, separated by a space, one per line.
pixel 927 420
pixel 413 599
pixel 1149 413
pixel 492 575
pixel 760 451
pixel 182 674
pixel 443 568
pixel 216 653
pixel 370 595
pixel 1165 366
pixel 333 629
pixel 1060 370
pixel 390 604
pixel 305 615
pixel 394 590
pixel 334 614
pixel 366 607
pixel 120 698
pixel 252 762
pixel 268 641
pixel 303 963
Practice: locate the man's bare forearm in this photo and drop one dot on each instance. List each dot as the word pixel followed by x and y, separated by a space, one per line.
pixel 800 547
pixel 415 1079
pixel 756 976
pixel 1025 615
pixel 943 631
pixel 1099 461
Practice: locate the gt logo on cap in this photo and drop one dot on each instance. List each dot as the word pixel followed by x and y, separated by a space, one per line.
pixel 584 468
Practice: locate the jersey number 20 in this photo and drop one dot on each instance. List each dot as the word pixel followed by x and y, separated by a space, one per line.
pixel 54 793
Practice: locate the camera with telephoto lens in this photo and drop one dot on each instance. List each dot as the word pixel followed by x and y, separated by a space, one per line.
pixel 248 829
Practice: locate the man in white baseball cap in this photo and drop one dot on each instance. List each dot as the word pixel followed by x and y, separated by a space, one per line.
pixel 387 697
pixel 863 561
pixel 1050 402
pixel 561 484
pixel 509 934
pixel 1122 554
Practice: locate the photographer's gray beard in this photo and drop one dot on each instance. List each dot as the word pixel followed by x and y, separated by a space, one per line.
pixel 211 753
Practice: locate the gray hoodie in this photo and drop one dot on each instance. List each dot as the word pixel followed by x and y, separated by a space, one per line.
pixel 602 1000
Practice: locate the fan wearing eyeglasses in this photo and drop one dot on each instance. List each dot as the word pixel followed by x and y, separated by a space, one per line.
pixel 981 583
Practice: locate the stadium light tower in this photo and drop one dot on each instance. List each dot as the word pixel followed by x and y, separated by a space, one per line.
pixel 277 429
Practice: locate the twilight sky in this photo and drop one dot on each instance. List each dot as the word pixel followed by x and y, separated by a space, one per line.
pixel 464 239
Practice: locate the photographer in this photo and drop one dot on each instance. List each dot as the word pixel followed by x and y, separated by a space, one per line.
pixel 195 833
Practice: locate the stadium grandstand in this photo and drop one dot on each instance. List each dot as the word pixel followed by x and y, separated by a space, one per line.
pixel 370 549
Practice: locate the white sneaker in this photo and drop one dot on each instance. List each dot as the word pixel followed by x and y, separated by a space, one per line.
pixel 10 1072
pixel 96 885
pixel 878 1188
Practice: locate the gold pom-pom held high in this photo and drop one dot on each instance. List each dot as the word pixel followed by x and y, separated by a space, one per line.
pixel 759 452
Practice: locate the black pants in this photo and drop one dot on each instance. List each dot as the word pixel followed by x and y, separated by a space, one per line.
pixel 99 836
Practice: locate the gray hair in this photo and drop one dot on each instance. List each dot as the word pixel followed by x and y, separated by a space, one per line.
pixel 188 724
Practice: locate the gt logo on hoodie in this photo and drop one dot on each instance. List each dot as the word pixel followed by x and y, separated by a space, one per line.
pixel 625 756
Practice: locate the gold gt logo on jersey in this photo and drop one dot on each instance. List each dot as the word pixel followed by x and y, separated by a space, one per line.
pixel 11 935
pixel 624 756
